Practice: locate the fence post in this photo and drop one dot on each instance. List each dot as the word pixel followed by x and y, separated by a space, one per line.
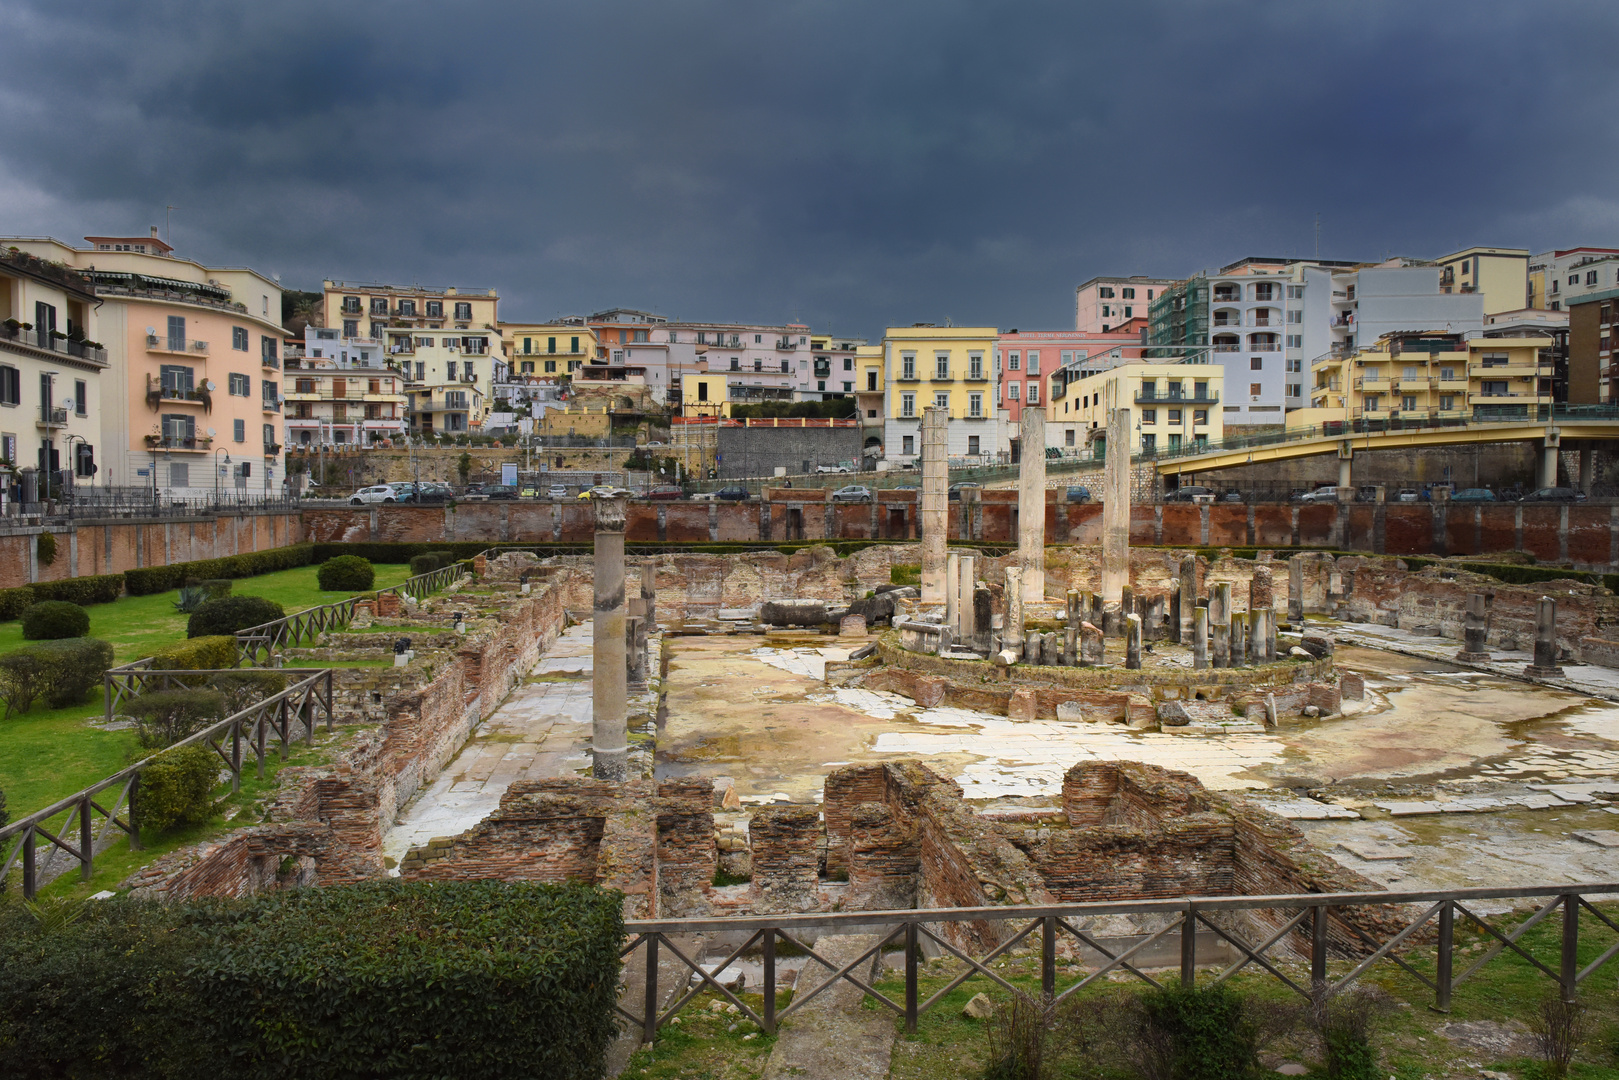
pixel 770 980
pixel 1318 945
pixel 1189 947
pixel 236 756
pixel 30 878
pixel 331 706
pixel 1048 957
pixel 134 827
pixel 649 1025
pixel 910 977
pixel 1571 947
pixel 87 840
pixel 1444 963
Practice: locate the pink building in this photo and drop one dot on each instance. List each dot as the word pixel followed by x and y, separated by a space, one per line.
pixel 1103 303
pixel 1032 366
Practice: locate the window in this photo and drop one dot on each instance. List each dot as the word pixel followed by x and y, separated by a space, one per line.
pixel 1174 416
pixel 1068 437
pixel 975 407
pixel 848 363
pixel 379 305
pixel 820 384
pixel 1265 290
pixel 1149 416
pixel 1104 292
pixel 240 385
pixel 1590 277
pixel 575 346
pixel 1034 363
pixel 1254 389
pixel 449 369
pixel 177 333
pixel 10 392
pixel 908 445
pixel 351 305
pixel 1408 401
pixel 1295 292
pixel 1295 341
pixel 1012 391
pixel 941 366
pixel 1295 316
pixel 1256 363
pixel 975 366
pixel 907 406
pixel 941 399
pixel 847 387
pixel 736 364
pixel 463 310
pixel 1200 416
pixel 1495 388
pixel 1127 294
pixel 351 327
pixel 1014 361
pixel 1447 402
pixel 871 380
pixel 239 430
pixel 81 391
pixel 267 348
pixel 907 366
pixel 1129 312
pixel 786 367
pixel 269 438
pixel 702 391
pixel 1034 394
pixel 1149 443
pixel 1295 389
pixel 550 367
pixel 175 380
pixel 238 338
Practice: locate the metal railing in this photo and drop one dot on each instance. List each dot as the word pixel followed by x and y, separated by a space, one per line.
pixel 53 342
pixel 1316 925
pixel 175 345
pixel 279 715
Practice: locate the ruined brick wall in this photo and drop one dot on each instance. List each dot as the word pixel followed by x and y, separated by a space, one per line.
pixel 785 845
pixel 545 830
pixel 88 548
pixel 1187 856
pixel 884 855
pixel 687 855
pixel 245 862
pixel 845 789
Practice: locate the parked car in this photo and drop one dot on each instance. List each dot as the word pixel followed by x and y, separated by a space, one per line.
pixel 1232 496
pixel 832 469
pixel 528 491
pixel 1079 494
pixel 666 491
pixel 957 489
pixel 433 491
pixel 379 493
pixel 855 493
pixel 557 491
pixel 1328 494
pixel 1407 495
pixel 476 489
pixel 732 493
pixel 1190 494
pixel 1554 495
pixel 499 491
pixel 905 487
pixel 1473 495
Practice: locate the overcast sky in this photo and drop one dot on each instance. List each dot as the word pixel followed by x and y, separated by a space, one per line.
pixel 848 164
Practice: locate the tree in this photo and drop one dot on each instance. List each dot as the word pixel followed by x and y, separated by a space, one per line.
pixel 463 467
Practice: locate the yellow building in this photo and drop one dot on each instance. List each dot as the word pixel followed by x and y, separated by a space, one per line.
pixel 577 421
pixel 1173 406
pixel 1431 378
pixel 869 389
pixel 950 367
pixel 546 350
pixel 1500 274
pixel 704 393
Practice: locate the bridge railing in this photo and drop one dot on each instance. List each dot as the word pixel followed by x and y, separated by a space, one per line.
pixel 1357 928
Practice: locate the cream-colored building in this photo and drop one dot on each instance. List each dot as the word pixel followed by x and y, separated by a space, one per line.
pixel 342 392
pixel 191 397
pixel 949 367
pixel 1500 275
pixel 1432 378
pixel 542 355
pixel 1173 406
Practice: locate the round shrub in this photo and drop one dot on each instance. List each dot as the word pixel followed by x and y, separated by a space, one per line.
pixel 177 789
pixel 423 564
pixel 164 717
pixel 232 613
pixel 52 620
pixel 346 573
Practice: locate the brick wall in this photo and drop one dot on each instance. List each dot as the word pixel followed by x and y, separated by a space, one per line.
pixel 89 548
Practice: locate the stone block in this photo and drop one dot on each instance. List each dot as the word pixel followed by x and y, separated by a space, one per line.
pixel 1352 686
pixel 852 626
pixel 1317 645
pixel 1021 706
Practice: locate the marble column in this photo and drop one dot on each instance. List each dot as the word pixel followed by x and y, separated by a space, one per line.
pixel 1476 630
pixel 1033 646
pixel 649 592
pixel 1090 645
pixel 966 612
pixel 1295 589
pixel 1132 641
pixel 952 593
pixel 935 502
pixel 1188 595
pixel 1031 504
pixel 609 674
pixel 1012 632
pixel 1200 638
pixel 1545 665
pixel 1220 624
pixel 1116 509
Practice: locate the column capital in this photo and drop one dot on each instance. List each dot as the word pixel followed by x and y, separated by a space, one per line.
pixel 609 514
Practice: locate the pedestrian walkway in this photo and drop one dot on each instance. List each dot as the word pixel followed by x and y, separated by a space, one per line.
pixel 834 1037
pixel 541 731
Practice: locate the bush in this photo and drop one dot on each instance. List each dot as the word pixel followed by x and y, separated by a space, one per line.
pixel 232 613
pixel 194 593
pixel 445 558
pixel 62 672
pixel 177 789
pixel 102 589
pixel 1018 1041
pixel 46 549
pixel 156 579
pixel 197 654
pixel 164 717
pixel 507 979
pixel 423 564
pixel 346 573
pixel 13 602
pixel 1197 1033
pixel 242 689
pixel 53 620
pixel 1345 1023
pixel 1560 1028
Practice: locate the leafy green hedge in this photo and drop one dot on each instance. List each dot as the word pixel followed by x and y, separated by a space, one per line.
pixel 54 620
pixel 157 579
pixel 102 589
pixel 388 978
pixel 206 653
pixel 62 672
pixel 13 602
pixel 348 573
pixel 178 788
pixel 230 614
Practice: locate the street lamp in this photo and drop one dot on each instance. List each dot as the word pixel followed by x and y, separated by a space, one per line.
pixel 216 475
pixel 72 469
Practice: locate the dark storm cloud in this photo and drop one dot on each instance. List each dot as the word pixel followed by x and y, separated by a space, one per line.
pixel 850 164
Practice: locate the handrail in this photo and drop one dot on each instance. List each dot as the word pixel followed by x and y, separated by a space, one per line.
pixel 1319 921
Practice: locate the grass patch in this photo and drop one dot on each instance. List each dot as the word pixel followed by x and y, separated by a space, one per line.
pixel 905 574
pixel 703 1045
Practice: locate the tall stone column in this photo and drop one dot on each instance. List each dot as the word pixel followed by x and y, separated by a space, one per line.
pixel 1220 624
pixel 1031 504
pixel 1200 637
pixel 1545 665
pixel 952 593
pixel 1261 610
pixel 1012 632
pixel 1295 589
pixel 649 592
pixel 1132 641
pixel 935 501
pixel 1116 510
pixel 966 611
pixel 1188 594
pixel 1476 630
pixel 609 740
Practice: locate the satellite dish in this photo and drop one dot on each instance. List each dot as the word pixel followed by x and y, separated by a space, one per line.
pixel 208 385
pixel 210 433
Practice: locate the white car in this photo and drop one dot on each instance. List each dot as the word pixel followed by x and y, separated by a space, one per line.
pixel 557 491
pixel 704 496
pixel 831 468
pixel 381 493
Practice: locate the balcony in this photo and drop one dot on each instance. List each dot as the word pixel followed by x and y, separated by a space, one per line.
pixel 178 442
pixel 1263 346
pixel 786 344
pixel 1261 320
pixel 1148 397
pixel 1372 382
pixel 1516 369
pixel 1233 297
pixel 52 342
pixel 1414 382
pixel 272 449
pixel 272 404
pixel 157 393
pixel 1227 347
pixel 272 362
pixel 175 346
pixel 401 346
pixel 51 418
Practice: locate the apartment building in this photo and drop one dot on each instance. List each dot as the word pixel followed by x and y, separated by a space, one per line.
pixel 541 359
pixel 366 309
pixel 1557 279
pixel 50 371
pixel 342 392
pixel 448 377
pixel 1593 343
pixel 193 374
pixel 952 368
pixel 632 349
pixel 1172 406
pixel 829 372
pixel 1431 378
pixel 757 362
pixel 1500 275
pixel 1103 303
pixel 1031 364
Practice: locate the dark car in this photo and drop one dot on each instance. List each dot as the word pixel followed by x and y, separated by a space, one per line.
pixel 733 493
pixel 1079 494
pixel 957 489
pixel 499 491
pixel 666 491
pixel 1554 495
pixel 1473 495
pixel 1230 497
pixel 1190 494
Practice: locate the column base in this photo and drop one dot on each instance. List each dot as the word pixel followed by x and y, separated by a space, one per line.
pixel 1537 672
pixel 610 764
pixel 1473 657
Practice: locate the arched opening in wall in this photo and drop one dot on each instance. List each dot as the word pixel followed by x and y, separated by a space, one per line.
pixel 873 443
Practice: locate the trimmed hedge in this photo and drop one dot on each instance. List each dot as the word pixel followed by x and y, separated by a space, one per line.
pixel 177 789
pixel 423 564
pixel 13 602
pixel 164 717
pixel 387 978
pixel 62 672
pixel 101 589
pixel 229 614
pixel 156 579
pixel 206 653
pixel 54 620
pixel 346 573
